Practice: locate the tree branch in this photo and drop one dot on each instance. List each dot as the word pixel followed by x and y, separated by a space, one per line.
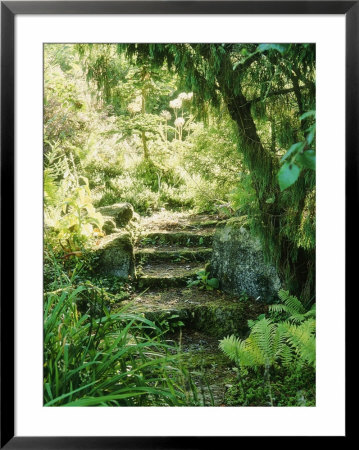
pixel 279 92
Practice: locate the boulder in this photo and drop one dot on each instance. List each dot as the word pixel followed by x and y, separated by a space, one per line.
pixel 109 225
pixel 238 263
pixel 115 256
pixel 121 213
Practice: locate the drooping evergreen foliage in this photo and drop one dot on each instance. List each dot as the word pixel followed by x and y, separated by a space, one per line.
pixel 269 92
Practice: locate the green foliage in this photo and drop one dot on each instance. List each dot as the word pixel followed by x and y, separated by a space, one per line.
pixel 267 89
pixel 301 338
pixel 284 350
pixel 107 361
pixel 298 157
pixel 99 358
pixel 203 281
pixel 244 297
pixel 272 343
pixel 293 309
pixel 288 175
pixel 73 221
pixel 169 323
pixel 221 128
pixel 293 387
pixel 265 346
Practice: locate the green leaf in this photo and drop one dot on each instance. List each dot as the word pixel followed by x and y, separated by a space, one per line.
pixel 307 114
pixel 280 47
pixel 213 282
pixel 298 146
pixel 307 159
pixel 310 136
pixel 287 175
pixel 194 283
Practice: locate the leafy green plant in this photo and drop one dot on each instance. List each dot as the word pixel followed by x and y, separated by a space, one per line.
pixel 274 345
pixel 169 323
pixel 204 282
pixel 149 241
pixel 293 387
pixel 105 361
pixel 244 297
pixel 73 221
pixel 265 346
pixel 298 157
pixel 291 308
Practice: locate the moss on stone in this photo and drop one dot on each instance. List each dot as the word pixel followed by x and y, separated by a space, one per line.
pixel 186 239
pixel 216 317
pixel 115 255
pixel 121 213
pixel 238 263
pixel 179 254
pixel 109 225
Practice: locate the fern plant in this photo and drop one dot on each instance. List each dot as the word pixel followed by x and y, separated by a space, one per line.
pixel 301 339
pixel 266 346
pixel 275 344
pixel 271 343
pixel 293 307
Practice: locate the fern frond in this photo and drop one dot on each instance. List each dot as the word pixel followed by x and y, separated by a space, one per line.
pixel 232 347
pixel 287 356
pixel 278 308
pixel 302 339
pixel 270 343
pixel 50 188
pixel 291 302
pixel 311 312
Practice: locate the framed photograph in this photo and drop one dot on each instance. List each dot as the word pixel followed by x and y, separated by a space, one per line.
pixel 175 188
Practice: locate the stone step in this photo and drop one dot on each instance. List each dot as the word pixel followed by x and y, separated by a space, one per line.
pixel 211 312
pixel 172 254
pixel 186 239
pixel 211 370
pixel 180 222
pixel 164 275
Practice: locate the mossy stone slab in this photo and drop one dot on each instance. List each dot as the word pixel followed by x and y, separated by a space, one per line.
pixel 116 256
pixel 239 265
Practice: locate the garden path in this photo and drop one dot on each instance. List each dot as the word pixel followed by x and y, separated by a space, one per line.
pixel 170 252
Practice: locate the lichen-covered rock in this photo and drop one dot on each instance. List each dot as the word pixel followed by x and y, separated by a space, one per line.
pixel 121 213
pixel 238 263
pixel 136 217
pixel 115 256
pixel 109 225
pixel 215 313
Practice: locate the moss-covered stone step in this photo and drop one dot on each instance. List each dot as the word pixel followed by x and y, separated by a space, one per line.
pixel 211 312
pixel 180 221
pixel 186 239
pixel 173 254
pixel 211 370
pixel 167 274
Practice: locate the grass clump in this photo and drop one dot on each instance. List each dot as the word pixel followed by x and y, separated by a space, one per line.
pixel 100 358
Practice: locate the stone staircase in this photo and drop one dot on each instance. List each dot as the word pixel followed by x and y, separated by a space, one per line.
pixel 167 257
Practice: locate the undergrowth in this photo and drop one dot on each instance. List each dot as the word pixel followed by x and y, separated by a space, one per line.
pixel 99 358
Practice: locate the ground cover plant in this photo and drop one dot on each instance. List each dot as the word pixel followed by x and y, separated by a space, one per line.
pixel 149 149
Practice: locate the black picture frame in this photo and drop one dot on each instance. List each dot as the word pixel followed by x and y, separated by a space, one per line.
pixel 9 9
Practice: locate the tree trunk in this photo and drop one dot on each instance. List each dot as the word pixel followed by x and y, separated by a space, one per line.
pixel 143 133
pixel 144 144
pixel 297 273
